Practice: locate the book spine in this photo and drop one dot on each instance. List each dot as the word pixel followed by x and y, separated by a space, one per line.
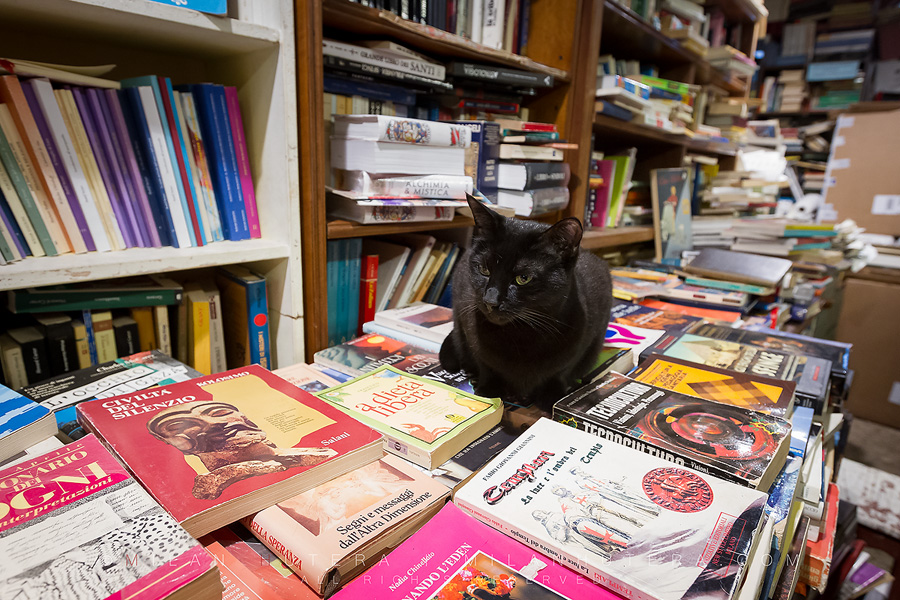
pixel 8 248
pixel 13 156
pixel 48 193
pixel 258 324
pixel 542 175
pixel 243 160
pixel 218 361
pixel 162 329
pixel 489 106
pixel 401 336
pixel 367 290
pixel 331 262
pixel 430 186
pixel 375 91
pixel 517 152
pixel 367 215
pixel 13 361
pixel 104 336
pixel 378 71
pixel 180 165
pixel 90 336
pixel 28 88
pixel 146 333
pixel 127 340
pixel 208 220
pixel 125 221
pixel 49 300
pixel 201 159
pixel 492 24
pixel 486 147
pixel 82 350
pixel 61 351
pixel 199 349
pixel 13 206
pixel 364 55
pixel 147 165
pixel 398 130
pixel 85 156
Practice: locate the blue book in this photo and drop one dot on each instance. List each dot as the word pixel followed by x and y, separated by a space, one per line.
pixel 251 290
pixel 13 226
pixel 778 508
pixel 152 82
pixel 354 280
pixel 332 265
pixel 486 137
pixel 446 298
pixel 215 127
pixel 139 135
pixel 213 7
pixel 801 424
pixel 611 110
pixel 91 339
pixel 23 423
pixel 376 91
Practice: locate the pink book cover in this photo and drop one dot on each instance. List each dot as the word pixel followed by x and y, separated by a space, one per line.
pixel 607 170
pixel 455 557
pixel 243 161
pixel 73 520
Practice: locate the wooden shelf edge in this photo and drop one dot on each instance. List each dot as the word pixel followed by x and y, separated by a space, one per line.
pixel 658 135
pixel 619 236
pixel 92 266
pixel 340 229
pixel 347 15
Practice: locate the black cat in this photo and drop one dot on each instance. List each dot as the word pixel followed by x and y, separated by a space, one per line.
pixel 530 310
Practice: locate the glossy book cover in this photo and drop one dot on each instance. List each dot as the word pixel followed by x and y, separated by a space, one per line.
pixel 728 442
pixel 456 557
pixel 641 526
pixel 746 390
pixel 200 444
pixel 73 523
pixel 421 419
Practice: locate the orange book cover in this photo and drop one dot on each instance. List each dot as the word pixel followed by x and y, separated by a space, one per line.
pixel 200 445
pixel 706 313
pixel 817 563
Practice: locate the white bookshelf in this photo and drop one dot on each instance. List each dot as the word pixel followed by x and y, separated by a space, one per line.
pixel 255 53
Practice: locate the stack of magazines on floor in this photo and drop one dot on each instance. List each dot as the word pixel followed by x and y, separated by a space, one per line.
pixel 695 459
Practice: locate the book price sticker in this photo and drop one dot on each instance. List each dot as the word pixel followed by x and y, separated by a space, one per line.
pixel 886 204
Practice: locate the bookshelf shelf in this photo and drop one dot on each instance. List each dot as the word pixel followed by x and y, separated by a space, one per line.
pixel 741 10
pixel 339 229
pixel 91 266
pixel 619 236
pixel 636 132
pixel 355 18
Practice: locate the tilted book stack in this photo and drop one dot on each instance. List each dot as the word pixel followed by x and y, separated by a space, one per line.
pixel 531 176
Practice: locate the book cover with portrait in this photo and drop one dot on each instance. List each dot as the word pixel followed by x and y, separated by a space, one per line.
pixel 637 524
pixel 333 532
pixel 215 449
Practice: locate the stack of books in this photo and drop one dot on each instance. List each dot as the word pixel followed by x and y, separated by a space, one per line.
pixel 731 61
pixel 686 21
pixel 531 175
pixel 608 190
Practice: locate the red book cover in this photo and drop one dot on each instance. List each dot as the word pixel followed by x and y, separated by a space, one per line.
pixel 817 564
pixel 367 290
pixel 704 313
pixel 178 143
pixel 74 523
pixel 206 447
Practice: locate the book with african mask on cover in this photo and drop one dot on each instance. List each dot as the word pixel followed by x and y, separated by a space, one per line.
pixel 634 523
pixel 215 449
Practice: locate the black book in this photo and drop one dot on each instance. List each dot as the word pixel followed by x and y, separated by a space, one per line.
pixel 59 333
pixel 499 75
pixel 34 352
pixel 126 332
pixel 532 175
pixel 376 71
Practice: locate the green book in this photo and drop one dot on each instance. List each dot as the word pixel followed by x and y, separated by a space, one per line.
pixel 21 187
pixel 624 168
pixel 759 290
pixel 423 421
pixel 148 290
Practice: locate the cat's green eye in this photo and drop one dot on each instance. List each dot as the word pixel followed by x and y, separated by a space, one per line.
pixel 523 279
pixel 484 270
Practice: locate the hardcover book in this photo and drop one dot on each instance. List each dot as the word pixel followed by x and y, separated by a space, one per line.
pixel 637 315
pixel 455 557
pixel 423 421
pixel 671 195
pixel 384 128
pixel 333 532
pixel 809 373
pixel 23 423
pixel 635 523
pixel 745 390
pixel 215 449
pixel 739 266
pixel 83 527
pixel 728 442
pixel 428 321
pixel 149 290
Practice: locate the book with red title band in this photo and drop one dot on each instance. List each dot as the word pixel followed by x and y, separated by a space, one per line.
pixel 215 449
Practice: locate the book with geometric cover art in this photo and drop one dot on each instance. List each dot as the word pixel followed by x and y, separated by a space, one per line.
pixel 731 443
pixel 333 532
pixel 372 350
pixel 809 373
pixel 423 421
pixel 634 523
pixel 215 449
pixel 83 527
pixel 753 392
pixel 456 557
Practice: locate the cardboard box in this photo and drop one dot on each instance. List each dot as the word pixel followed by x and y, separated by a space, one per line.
pixel 862 181
pixel 870 320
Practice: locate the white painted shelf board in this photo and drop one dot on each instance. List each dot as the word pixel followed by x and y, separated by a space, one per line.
pixel 143 23
pixel 69 268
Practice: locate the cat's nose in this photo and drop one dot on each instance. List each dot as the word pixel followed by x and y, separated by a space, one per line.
pixel 491 298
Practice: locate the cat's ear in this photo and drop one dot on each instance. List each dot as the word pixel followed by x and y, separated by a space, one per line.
pixel 486 220
pixel 566 236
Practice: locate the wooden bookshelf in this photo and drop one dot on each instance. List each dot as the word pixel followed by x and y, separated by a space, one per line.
pixel 618 236
pixel 629 132
pixel 339 229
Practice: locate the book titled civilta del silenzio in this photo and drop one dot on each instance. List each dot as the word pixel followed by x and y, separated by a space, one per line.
pixel 634 523
pixel 214 449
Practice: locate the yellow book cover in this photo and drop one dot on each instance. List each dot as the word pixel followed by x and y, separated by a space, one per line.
pixel 754 392
pixel 143 316
pixel 162 329
pixel 199 354
pixel 104 336
pixel 82 348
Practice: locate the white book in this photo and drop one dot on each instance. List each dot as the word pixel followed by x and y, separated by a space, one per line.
pixel 522 152
pixel 43 91
pixel 421 319
pixel 392 262
pixel 161 150
pixel 389 158
pixel 385 128
pixel 531 203
pixel 421 245
pixel 410 211
pixel 395 49
pixel 379 58
pixel 452 187
pixel 476 15
pixel 637 524
pixel 492 24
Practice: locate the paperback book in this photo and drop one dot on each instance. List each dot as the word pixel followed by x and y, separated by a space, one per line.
pixel 423 421
pixel 23 423
pixel 636 524
pixel 728 442
pixel 637 315
pixel 429 321
pixel 88 530
pixel 333 532
pixel 745 390
pixel 473 457
pixel 215 449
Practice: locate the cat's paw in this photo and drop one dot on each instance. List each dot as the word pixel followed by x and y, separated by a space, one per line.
pixel 449 356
